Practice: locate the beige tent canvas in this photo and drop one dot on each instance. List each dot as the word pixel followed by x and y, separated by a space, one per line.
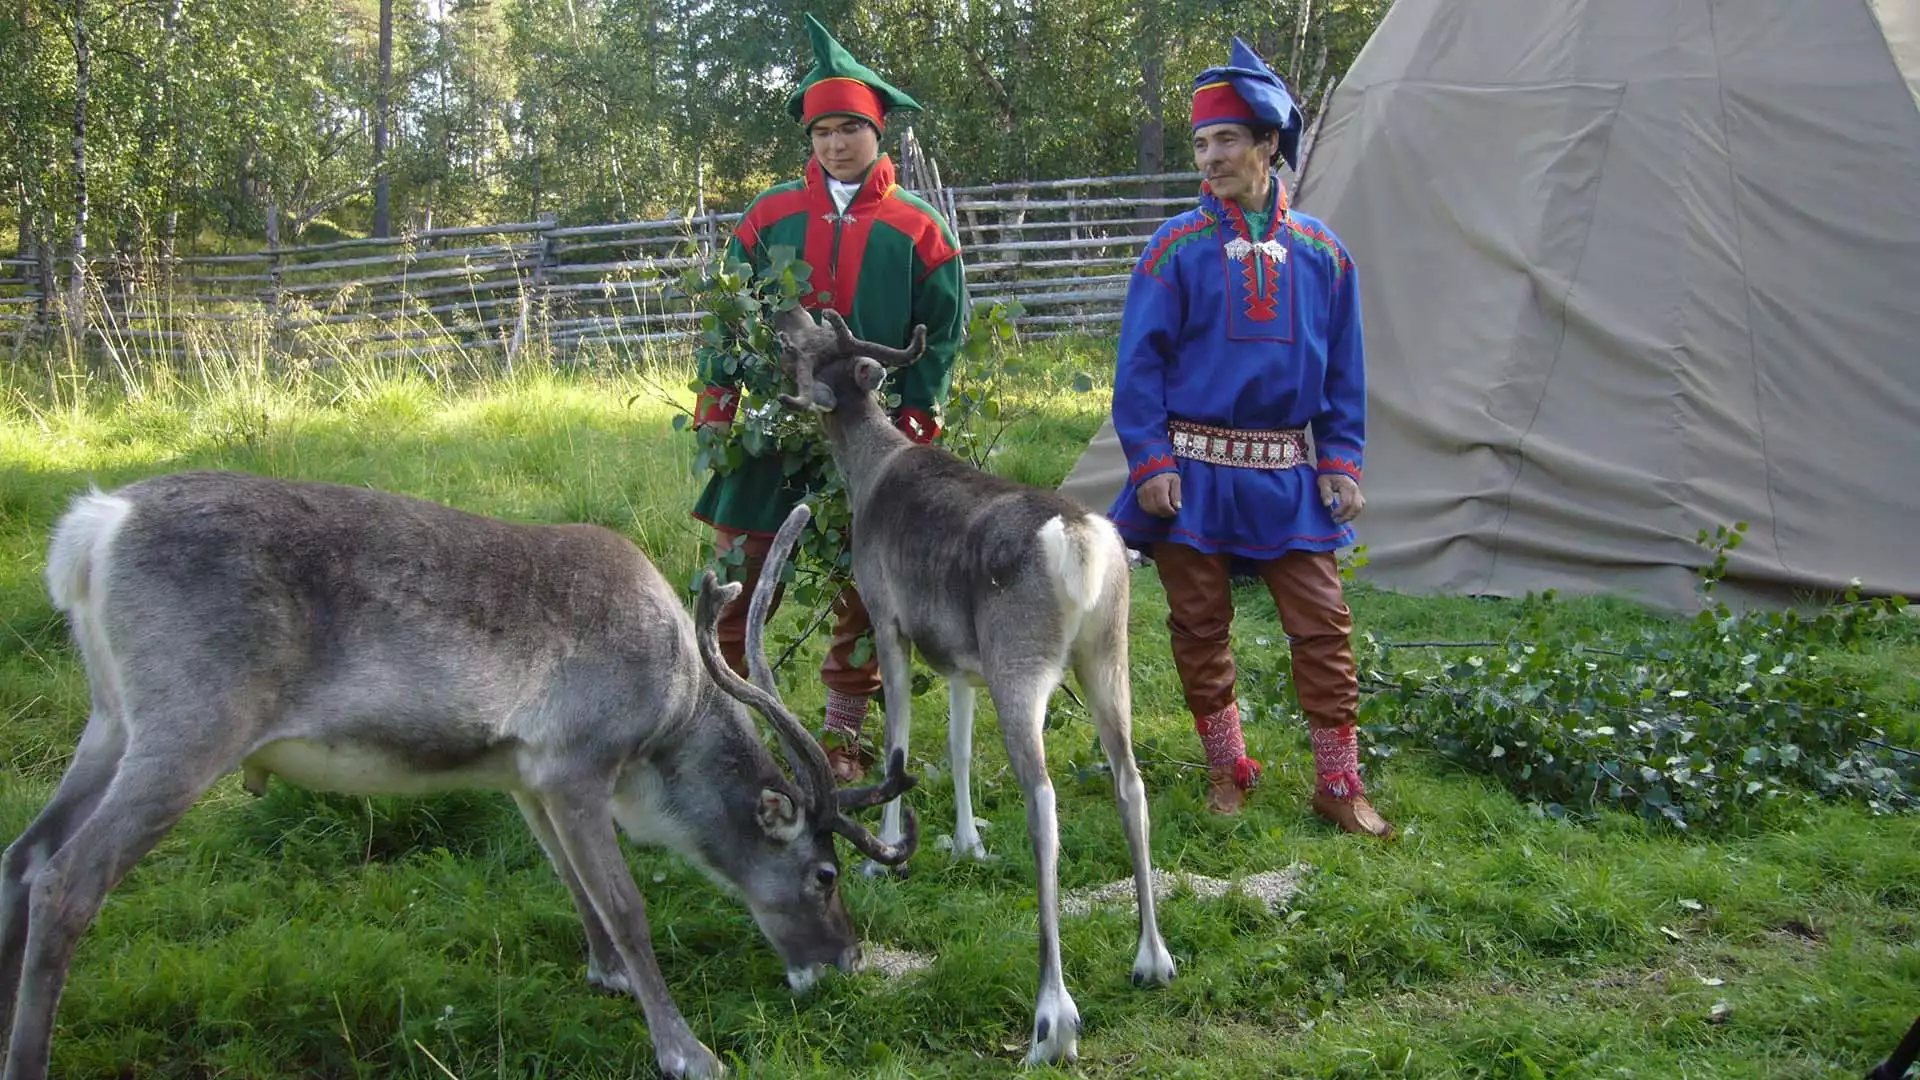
pixel 1630 270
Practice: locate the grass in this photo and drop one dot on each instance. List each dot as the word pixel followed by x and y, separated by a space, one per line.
pixel 313 935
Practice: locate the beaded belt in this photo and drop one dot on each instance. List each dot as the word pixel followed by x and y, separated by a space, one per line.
pixel 1246 449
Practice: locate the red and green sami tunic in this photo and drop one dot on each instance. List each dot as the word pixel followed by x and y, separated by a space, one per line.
pixel 888 263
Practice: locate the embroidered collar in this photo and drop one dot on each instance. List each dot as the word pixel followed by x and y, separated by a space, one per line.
pixel 1236 219
pixel 1259 285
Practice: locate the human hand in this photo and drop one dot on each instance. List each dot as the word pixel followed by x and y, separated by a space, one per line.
pixel 1341 494
pixel 1160 496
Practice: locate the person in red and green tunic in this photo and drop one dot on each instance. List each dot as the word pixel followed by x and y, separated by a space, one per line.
pixel 886 261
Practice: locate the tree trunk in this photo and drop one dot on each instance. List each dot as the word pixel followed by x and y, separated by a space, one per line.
pixel 1305 18
pixel 533 139
pixel 153 109
pixel 382 208
pixel 24 243
pixel 1151 143
pixel 82 77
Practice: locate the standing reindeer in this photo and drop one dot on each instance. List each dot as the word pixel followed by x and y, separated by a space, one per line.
pixel 995 583
pixel 371 643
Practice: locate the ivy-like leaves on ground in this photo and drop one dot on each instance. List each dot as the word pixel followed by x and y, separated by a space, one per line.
pixel 1696 725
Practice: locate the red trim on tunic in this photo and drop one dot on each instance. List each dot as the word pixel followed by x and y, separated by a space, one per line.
pixel 766 211
pixel 840 279
pixel 716 403
pixel 919 425
pixel 726 530
pixel 1151 463
pixel 1330 461
pixel 928 241
pixel 1151 263
pixel 1176 535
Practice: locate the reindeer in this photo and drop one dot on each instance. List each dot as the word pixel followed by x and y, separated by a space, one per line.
pixel 371 643
pixel 996 584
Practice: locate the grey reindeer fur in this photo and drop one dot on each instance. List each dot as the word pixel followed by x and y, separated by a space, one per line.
pixel 995 583
pixel 373 643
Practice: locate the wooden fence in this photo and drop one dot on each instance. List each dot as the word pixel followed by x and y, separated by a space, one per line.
pixel 1061 248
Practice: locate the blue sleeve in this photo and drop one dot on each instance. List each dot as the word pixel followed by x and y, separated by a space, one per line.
pixel 1149 326
pixel 1340 433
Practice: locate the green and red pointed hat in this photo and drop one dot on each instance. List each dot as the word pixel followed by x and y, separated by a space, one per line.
pixel 839 85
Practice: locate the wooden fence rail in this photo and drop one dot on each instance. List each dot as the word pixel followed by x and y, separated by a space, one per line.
pixel 1061 249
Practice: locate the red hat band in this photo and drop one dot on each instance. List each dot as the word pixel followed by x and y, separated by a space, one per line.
pixel 841 95
pixel 1219 103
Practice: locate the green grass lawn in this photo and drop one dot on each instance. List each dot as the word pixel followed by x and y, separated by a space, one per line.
pixel 322 936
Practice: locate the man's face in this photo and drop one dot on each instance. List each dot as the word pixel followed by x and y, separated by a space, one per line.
pixel 845 146
pixel 1234 162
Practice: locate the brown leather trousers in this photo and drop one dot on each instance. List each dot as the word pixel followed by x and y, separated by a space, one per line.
pixel 1313 612
pixel 850 620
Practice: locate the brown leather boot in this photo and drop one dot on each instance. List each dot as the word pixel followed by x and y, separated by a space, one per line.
pixel 1353 814
pixel 847 762
pixel 1224 796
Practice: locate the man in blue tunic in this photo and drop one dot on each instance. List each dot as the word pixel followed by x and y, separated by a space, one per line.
pixel 1241 333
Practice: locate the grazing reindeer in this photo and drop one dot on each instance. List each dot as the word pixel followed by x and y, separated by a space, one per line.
pixel 371 643
pixel 996 583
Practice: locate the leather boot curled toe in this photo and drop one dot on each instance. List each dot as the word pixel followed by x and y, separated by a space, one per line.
pixel 1227 786
pixel 847 763
pixel 1353 814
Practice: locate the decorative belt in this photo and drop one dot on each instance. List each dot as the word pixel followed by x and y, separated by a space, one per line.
pixel 1246 449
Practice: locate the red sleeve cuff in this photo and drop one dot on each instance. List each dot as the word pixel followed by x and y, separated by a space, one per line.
pixel 1339 460
pixel 716 404
pixel 1151 462
pixel 919 425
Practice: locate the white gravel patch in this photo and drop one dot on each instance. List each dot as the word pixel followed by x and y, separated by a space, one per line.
pixel 891 962
pixel 1273 888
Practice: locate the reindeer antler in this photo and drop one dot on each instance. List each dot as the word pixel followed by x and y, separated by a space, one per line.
pixel 888 356
pixel 810 770
pixel 804 755
pixel 870 845
pixel 802 366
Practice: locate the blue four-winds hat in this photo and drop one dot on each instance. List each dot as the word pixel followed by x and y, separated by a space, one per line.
pixel 1246 91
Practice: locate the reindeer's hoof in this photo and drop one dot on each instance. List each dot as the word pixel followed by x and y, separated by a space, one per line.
pixel 1056 1032
pixel 972 851
pixel 614 983
pixel 693 1061
pixel 1153 964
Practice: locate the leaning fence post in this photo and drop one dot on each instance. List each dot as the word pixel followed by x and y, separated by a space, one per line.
pixel 280 329
pixel 543 259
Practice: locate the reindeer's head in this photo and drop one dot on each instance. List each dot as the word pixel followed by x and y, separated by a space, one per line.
pixel 789 870
pixel 829 366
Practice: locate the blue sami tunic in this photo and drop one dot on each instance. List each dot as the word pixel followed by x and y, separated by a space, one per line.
pixel 1268 340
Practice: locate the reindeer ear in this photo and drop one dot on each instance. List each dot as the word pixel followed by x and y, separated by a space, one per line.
pixel 868 374
pixel 777 815
pixel 823 398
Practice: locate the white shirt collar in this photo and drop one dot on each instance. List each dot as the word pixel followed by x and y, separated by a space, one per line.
pixel 842 192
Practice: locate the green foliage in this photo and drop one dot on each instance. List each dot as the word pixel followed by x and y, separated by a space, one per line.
pixel 1702 724
pixel 303 935
pixel 204 114
pixel 737 341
